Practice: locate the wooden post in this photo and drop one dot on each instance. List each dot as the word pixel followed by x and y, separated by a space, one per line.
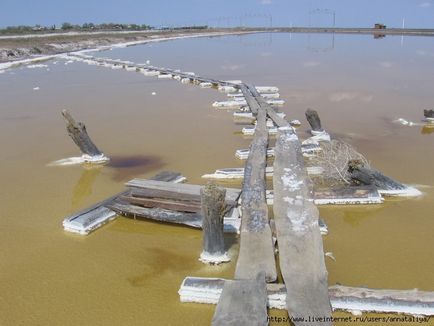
pixel 428 114
pixel 77 131
pixel 213 211
pixel 368 176
pixel 314 120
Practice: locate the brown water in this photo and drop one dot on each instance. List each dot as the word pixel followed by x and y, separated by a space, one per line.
pixel 129 272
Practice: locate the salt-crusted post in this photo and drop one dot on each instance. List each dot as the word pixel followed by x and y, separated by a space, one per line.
pixel 213 210
pixel 428 114
pixel 314 120
pixel 77 131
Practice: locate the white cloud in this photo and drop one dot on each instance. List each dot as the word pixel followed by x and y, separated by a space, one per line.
pixel 425 4
pixel 266 2
pixel 386 64
pixel 309 64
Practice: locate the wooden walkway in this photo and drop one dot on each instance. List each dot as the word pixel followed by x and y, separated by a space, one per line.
pixel 243 301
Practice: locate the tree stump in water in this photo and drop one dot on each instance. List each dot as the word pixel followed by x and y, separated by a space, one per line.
pixel 213 211
pixel 368 176
pixel 77 131
pixel 428 114
pixel 314 120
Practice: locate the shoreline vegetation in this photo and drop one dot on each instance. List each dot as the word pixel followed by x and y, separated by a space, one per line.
pixel 24 42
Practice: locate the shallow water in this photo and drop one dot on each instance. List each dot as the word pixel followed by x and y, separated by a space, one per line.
pixel 128 272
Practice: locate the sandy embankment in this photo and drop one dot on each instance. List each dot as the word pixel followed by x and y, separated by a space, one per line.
pixel 19 48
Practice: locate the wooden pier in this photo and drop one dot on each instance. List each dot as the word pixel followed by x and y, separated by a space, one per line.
pixel 243 301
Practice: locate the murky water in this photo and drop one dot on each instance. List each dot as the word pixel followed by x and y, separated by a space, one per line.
pixel 128 272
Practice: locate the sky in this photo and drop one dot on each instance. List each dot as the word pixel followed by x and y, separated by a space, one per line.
pixel 222 13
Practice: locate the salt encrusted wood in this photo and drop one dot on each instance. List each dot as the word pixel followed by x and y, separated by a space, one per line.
pixel 301 254
pixel 93 217
pixel 256 246
pixel 242 303
pixel 314 121
pixel 213 212
pixel 77 131
pixel 353 299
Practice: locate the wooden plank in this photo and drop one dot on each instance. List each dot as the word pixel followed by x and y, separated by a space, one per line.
pixel 231 224
pixel 93 217
pixel 346 195
pixel 412 302
pixel 250 100
pixel 278 120
pixel 256 244
pixel 157 214
pixel 193 207
pixel 299 239
pixel 242 303
pixel 167 190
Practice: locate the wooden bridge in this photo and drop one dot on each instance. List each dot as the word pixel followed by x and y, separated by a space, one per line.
pixel 244 300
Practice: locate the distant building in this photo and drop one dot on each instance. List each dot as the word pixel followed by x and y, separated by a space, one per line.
pixel 379 26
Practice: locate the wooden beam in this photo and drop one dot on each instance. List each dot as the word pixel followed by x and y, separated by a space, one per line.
pixel 278 120
pixel 299 239
pixel 256 246
pixel 93 217
pixel 186 192
pixel 242 303
pixel 192 207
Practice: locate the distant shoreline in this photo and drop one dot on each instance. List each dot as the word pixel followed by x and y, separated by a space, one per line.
pixel 31 46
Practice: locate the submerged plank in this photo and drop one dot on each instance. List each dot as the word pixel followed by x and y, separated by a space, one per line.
pixel 301 252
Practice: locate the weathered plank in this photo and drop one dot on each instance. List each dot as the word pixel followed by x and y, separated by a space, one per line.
pixel 256 246
pixel 301 253
pixel 193 207
pixel 412 302
pixel 187 192
pixel 93 217
pixel 250 100
pixel 242 303
pixel 347 195
pixel 277 119
pixel 157 214
pixel 231 221
pixel 213 209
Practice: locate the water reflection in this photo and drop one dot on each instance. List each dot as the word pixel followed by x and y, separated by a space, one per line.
pixel 83 188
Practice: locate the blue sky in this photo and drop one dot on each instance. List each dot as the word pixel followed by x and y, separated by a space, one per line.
pixel 348 13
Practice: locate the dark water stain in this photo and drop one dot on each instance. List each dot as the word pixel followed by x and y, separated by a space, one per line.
pixel 127 167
